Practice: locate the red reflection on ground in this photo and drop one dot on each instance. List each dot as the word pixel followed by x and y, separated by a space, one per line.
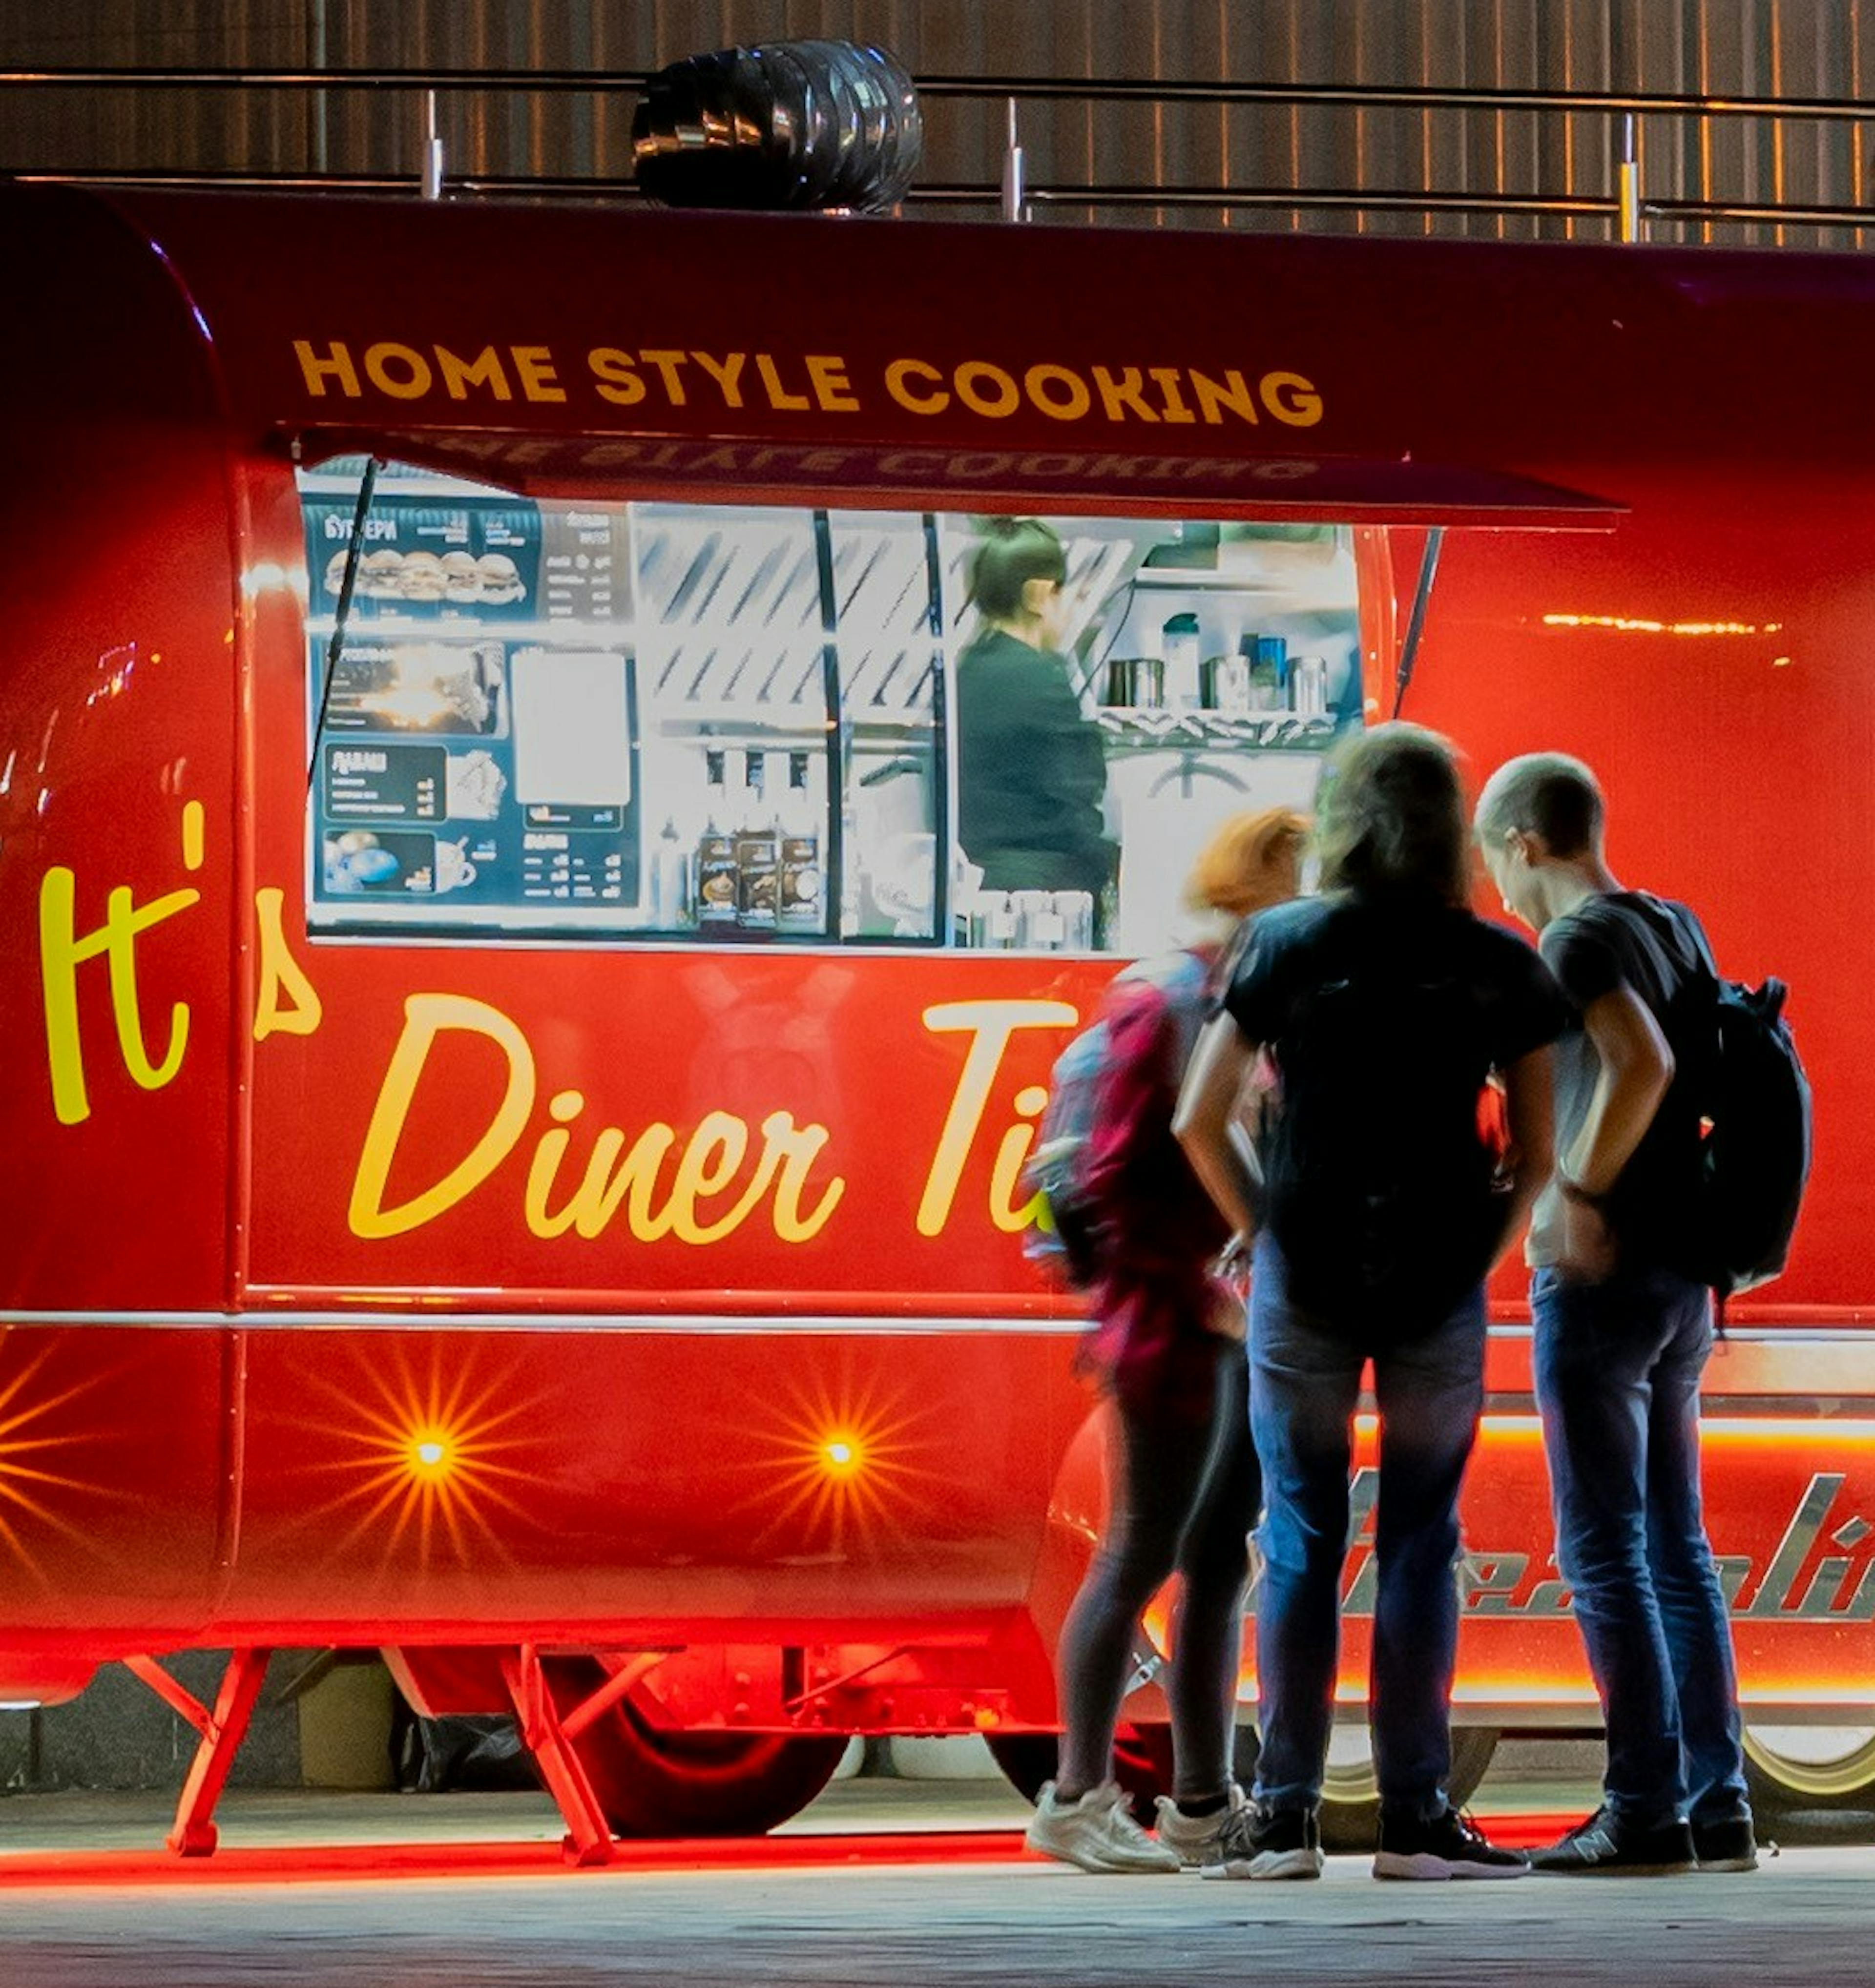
pixel 363 1863
pixel 354 1862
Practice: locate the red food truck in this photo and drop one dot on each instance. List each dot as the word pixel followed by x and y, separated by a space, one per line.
pixel 517 1090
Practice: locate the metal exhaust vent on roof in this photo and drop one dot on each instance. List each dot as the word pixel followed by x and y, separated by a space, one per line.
pixel 790 124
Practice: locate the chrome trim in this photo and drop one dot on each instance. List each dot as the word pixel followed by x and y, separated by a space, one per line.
pixel 424 1310
pixel 424 1317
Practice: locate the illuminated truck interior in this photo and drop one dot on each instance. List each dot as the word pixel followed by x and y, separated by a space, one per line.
pixel 655 720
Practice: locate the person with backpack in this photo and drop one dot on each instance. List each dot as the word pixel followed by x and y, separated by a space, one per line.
pixel 1389 1012
pixel 1166 1344
pixel 1623 1327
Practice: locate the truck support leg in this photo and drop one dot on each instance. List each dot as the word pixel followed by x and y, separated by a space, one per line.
pixel 193 1833
pixel 589 1834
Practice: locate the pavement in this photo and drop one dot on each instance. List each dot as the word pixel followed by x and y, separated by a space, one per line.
pixel 51 1835
pixel 879 1884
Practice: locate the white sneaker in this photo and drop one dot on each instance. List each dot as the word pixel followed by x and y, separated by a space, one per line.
pixel 1198 1839
pixel 1096 1832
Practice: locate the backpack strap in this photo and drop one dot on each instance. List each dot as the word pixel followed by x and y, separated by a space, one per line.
pixel 1708 991
pixel 1684 917
pixel 1187 982
pixel 1692 1011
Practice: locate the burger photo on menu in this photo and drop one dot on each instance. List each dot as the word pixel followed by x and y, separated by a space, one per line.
pixel 502 584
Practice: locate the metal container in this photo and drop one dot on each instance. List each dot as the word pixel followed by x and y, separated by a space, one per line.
pixel 1137 683
pixel 1308 686
pixel 992 921
pixel 1227 685
pixel 1075 910
pixel 1038 923
pixel 1266 658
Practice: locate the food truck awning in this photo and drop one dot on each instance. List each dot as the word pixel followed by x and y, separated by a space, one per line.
pixel 934 476
pixel 794 359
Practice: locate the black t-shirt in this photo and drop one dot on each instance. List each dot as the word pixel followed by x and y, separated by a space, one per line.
pixel 1628 938
pixel 1031 771
pixel 1385 1017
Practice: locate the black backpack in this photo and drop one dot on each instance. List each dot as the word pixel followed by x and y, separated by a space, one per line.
pixel 1383 1230
pixel 1755 1155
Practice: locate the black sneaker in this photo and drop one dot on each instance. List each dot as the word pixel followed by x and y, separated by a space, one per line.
pixel 1449 1846
pixel 1261 1842
pixel 1731 1844
pixel 1606 1845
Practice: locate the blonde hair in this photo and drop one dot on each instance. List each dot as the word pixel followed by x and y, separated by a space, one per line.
pixel 1249 864
pixel 1550 793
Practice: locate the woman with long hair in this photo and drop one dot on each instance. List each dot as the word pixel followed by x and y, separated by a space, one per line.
pixel 1387 1010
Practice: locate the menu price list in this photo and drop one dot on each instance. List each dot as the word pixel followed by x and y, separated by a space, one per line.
pixel 387 783
pixel 585 566
pixel 557 867
pixel 494 870
pixel 418 819
pixel 463 559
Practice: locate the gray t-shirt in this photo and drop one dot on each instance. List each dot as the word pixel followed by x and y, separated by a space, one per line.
pixel 1628 938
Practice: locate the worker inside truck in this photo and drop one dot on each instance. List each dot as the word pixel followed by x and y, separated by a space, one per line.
pixel 1031 769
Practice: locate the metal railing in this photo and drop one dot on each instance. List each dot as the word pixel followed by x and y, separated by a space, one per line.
pixel 1626 208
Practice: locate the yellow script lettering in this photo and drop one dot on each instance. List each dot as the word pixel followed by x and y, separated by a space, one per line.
pixel 990 1024
pixel 287 1003
pixel 799 1145
pixel 604 1184
pixel 1012 1155
pixel 426 1016
pixel 62 951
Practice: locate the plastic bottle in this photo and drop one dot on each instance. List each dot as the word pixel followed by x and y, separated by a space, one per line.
pixel 1309 685
pixel 671 907
pixel 802 907
pixel 758 850
pixel 718 884
pixel 1178 641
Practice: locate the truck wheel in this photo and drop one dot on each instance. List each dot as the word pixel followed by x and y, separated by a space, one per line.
pixel 652 1782
pixel 1810 1766
pixel 1141 1762
pixel 1350 1797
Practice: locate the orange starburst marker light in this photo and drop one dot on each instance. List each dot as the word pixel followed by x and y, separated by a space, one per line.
pixel 841 1456
pixel 431 1467
pixel 842 1465
pixel 432 1453
pixel 34 1496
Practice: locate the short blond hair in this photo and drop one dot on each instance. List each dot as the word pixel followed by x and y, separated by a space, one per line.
pixel 1550 794
pixel 1249 863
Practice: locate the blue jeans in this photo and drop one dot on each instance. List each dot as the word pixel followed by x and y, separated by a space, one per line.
pixel 1306 1381
pixel 1618 1365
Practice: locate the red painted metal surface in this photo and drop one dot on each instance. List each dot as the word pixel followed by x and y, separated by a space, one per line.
pixel 265 1376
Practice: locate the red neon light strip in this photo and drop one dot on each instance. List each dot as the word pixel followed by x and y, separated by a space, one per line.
pixel 365 1862
pixel 73 1870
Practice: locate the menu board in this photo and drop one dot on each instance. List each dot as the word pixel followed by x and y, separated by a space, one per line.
pixel 472 560
pixel 477 734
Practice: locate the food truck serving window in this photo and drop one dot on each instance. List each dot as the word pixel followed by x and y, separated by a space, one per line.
pixel 619 720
